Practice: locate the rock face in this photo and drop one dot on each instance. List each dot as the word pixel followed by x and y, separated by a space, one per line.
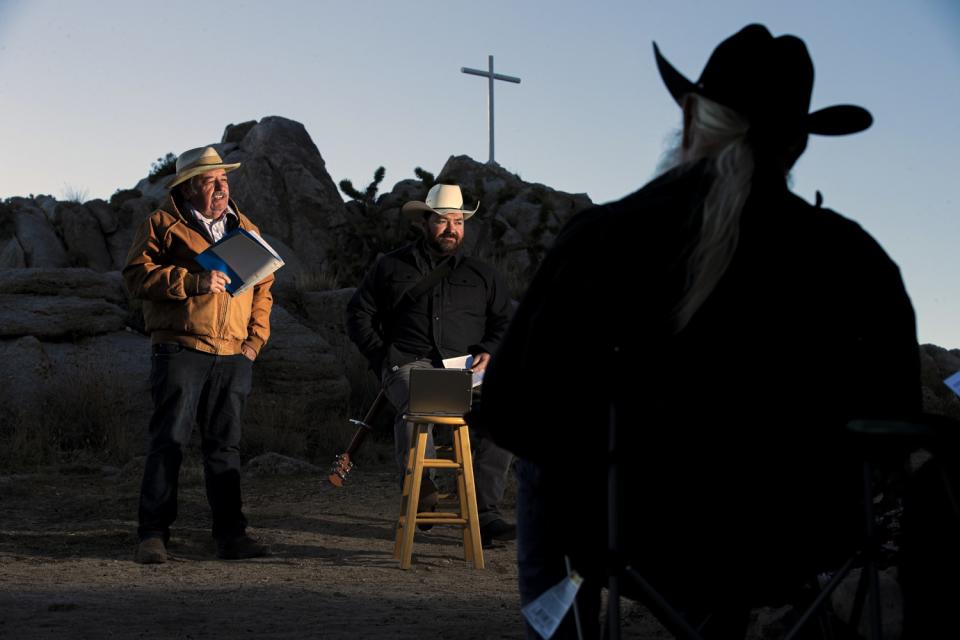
pixel 65 316
pixel 60 303
pixel 35 234
pixel 283 185
pixel 90 392
pixel 516 223
pixel 298 365
pixel 519 220
pixel 936 365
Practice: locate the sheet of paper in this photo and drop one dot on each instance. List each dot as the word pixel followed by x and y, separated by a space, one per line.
pixel 546 612
pixel 464 362
pixel 459 362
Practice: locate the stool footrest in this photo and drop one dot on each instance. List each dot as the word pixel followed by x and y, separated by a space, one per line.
pixel 428 517
pixel 439 463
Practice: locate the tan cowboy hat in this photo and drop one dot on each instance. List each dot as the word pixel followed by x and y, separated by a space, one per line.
pixel 196 161
pixel 442 199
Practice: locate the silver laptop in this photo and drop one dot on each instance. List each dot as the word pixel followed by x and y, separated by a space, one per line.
pixel 444 392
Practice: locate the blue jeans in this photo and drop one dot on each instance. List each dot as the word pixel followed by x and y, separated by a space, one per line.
pixel 190 387
pixel 490 462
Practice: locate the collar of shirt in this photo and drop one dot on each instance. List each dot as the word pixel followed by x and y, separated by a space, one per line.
pixel 216 228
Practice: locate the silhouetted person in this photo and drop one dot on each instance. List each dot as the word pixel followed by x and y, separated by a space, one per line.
pixel 734 329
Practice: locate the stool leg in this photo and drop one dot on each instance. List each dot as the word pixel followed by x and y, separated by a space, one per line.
pixel 405 493
pixel 462 497
pixel 473 518
pixel 409 503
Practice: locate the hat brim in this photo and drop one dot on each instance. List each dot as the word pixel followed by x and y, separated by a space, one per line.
pixel 414 210
pixel 838 120
pixel 195 171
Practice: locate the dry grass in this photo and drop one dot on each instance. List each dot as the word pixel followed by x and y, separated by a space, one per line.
pixel 81 417
pixel 316 280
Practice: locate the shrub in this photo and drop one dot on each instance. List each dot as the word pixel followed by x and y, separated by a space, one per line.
pixel 165 166
pixel 74 194
pixel 368 233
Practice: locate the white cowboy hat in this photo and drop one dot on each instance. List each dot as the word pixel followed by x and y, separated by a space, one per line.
pixel 442 199
pixel 196 161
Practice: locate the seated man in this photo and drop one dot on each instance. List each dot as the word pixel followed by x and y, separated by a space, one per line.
pixel 676 302
pixel 426 302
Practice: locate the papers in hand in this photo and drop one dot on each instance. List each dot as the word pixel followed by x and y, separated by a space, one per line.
pixel 464 362
pixel 244 256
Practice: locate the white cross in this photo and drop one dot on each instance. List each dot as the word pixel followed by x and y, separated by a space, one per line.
pixel 491 76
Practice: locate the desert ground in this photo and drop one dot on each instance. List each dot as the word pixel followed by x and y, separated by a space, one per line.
pixel 67 538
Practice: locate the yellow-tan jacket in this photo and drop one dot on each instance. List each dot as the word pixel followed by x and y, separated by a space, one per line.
pixel 162 272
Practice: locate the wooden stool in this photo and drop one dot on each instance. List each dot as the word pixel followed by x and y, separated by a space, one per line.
pixel 466 518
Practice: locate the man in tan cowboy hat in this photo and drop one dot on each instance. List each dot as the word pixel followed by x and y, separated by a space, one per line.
pixel 735 477
pixel 426 302
pixel 204 343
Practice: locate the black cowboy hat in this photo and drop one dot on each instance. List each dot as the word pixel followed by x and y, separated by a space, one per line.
pixel 768 81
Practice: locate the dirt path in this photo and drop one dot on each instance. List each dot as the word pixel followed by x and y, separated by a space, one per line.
pixel 66 570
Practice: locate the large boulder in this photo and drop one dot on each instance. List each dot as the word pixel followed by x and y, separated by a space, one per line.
pixel 36 235
pixel 299 366
pixel 283 185
pixel 516 223
pixel 84 239
pixel 936 365
pixel 57 317
pixel 326 312
pixel 76 282
pixel 289 275
pixel 12 255
pixel 60 303
pixel 42 232
pixel 93 387
pixel 299 391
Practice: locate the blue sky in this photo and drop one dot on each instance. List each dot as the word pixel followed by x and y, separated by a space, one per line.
pixel 93 93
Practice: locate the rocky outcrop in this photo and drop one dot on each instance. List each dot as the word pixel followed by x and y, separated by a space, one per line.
pixel 936 365
pixel 83 283
pixel 34 232
pixel 64 343
pixel 515 225
pixel 64 312
pixel 283 185
pixel 299 366
pixel 82 235
pixel 92 384
pixel 325 312
pixel 60 303
pixel 518 221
